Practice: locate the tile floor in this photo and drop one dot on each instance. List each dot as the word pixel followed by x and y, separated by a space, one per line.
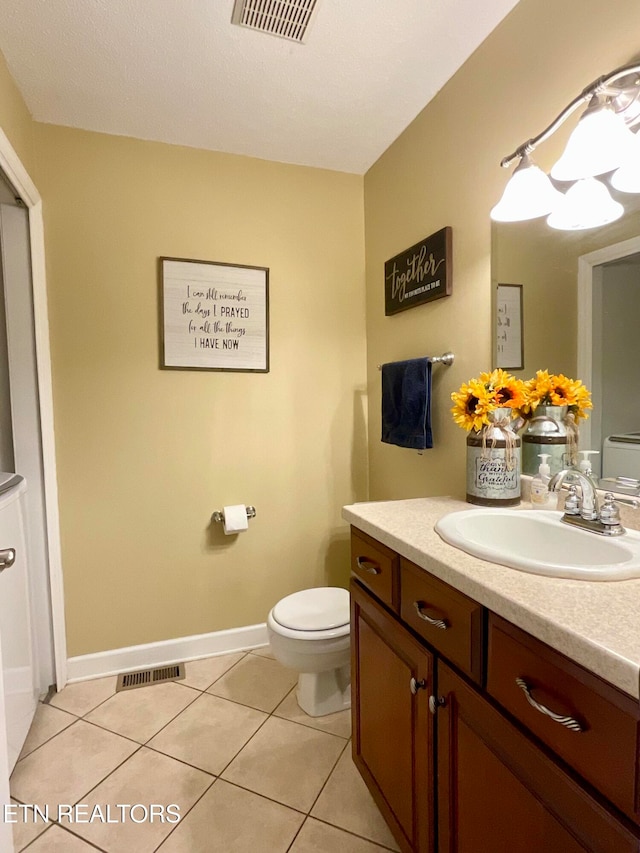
pixel 228 745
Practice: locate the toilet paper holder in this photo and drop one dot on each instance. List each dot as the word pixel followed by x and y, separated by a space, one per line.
pixel 218 515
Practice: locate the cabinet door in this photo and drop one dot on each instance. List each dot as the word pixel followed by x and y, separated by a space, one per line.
pixel 392 726
pixel 499 792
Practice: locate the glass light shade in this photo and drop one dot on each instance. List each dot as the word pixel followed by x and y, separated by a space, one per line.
pixel 627 177
pixel 528 194
pixel 587 204
pixel 600 142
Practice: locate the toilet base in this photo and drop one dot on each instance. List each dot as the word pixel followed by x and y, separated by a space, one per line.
pixel 321 693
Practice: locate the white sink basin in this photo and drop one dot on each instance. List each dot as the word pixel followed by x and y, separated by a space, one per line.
pixel 539 543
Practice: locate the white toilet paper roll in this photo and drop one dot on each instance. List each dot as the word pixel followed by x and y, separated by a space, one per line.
pixel 235 518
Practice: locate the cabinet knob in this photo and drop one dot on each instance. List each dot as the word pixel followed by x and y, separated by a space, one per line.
pixel 414 685
pixel 367 566
pixel 436 702
pixel 437 623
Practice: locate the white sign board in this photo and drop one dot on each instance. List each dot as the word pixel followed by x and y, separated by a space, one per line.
pixel 215 316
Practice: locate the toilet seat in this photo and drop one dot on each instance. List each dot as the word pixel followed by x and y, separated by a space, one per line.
pixel 309 631
pixel 314 610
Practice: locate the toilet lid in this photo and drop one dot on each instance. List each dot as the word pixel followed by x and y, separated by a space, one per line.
pixel 316 609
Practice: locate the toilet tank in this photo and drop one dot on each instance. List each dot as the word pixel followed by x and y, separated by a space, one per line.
pixel 621 456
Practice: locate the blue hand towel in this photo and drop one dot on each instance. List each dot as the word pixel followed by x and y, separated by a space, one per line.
pixel 406 403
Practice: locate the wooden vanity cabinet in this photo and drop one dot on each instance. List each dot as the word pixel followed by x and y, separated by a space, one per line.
pixel 391 681
pixel 497 791
pixel 459 767
pixel 583 720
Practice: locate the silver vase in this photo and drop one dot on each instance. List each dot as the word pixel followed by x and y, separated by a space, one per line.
pixel 551 430
pixel 493 462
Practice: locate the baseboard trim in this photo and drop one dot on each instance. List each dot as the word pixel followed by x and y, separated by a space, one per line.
pixel 164 652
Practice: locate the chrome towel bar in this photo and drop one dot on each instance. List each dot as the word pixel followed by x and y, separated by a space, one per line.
pixel 446 358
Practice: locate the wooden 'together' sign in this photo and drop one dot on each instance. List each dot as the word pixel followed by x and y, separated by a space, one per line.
pixel 419 274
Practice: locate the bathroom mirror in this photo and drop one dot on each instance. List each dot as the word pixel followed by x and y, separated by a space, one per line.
pixel 581 317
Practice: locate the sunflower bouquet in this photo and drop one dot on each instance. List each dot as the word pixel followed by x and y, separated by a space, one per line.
pixel 548 389
pixel 477 398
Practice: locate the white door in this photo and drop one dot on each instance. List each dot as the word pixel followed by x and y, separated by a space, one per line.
pixel 25 392
pixel 19 446
pixel 6 830
pixel 24 404
pixel 18 672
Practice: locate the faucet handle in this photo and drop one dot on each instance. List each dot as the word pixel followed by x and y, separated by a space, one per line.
pixel 610 516
pixel 634 504
pixel 572 504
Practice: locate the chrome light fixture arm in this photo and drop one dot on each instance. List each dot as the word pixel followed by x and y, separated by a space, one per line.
pixel 598 87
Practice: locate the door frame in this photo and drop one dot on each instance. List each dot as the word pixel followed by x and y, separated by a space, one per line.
pixel 586 269
pixel 18 176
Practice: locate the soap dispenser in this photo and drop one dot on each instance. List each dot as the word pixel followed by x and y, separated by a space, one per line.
pixel 541 497
pixel 585 462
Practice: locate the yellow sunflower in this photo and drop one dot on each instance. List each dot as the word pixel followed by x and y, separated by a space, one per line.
pixel 508 390
pixel 550 389
pixel 536 391
pixel 472 404
pixel 561 392
pixel 581 400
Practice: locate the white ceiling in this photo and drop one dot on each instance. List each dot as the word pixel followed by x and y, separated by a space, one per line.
pixel 178 71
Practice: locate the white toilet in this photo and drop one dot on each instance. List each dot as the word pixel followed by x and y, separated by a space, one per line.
pixel 309 632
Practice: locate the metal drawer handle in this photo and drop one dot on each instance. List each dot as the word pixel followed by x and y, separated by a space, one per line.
pixel 569 722
pixel 437 623
pixel 368 566
pixel 7 558
pixel 414 685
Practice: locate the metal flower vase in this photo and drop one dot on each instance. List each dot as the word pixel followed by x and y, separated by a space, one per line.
pixel 494 462
pixel 551 430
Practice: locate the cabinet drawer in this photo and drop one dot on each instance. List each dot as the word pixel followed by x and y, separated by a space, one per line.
pixel 447 619
pixel 376 566
pixel 596 726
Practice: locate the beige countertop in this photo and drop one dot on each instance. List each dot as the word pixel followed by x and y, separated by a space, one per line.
pixel 595 623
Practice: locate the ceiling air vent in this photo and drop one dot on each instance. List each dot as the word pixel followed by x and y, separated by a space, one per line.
pixel 289 19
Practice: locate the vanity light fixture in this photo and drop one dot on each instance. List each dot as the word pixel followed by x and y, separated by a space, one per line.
pixel 586 204
pixel 603 141
pixel 626 179
pixel 600 143
pixel 528 194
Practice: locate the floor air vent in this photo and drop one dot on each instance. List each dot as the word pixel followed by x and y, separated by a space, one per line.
pixel 289 19
pixel 146 677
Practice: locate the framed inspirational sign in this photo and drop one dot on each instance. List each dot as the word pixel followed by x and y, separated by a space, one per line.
pixel 509 327
pixel 214 316
pixel 419 274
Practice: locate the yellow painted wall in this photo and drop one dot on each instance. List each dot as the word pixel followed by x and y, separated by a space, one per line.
pixel 146 455
pixel 443 170
pixel 15 119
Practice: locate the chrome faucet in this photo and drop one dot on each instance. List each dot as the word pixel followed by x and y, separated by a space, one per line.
pixel 589 504
pixel 583 511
